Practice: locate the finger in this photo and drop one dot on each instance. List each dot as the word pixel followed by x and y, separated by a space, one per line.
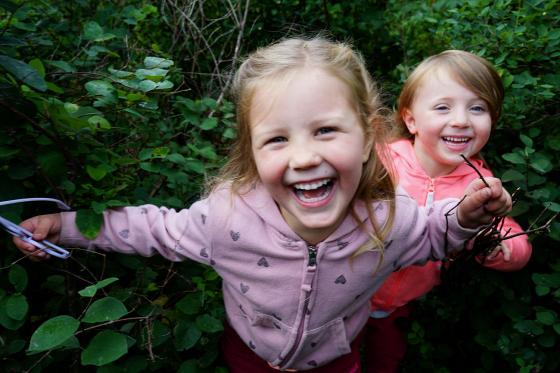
pixel 42 228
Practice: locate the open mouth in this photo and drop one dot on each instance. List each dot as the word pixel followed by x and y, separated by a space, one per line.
pixel 313 192
pixel 456 140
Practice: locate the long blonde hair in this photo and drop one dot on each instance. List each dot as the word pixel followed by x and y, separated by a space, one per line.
pixel 473 72
pixel 338 59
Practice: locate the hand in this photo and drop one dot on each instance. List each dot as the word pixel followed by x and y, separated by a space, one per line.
pixel 500 248
pixel 43 227
pixel 482 204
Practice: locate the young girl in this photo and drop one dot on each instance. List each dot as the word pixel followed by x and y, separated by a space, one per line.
pixel 448 106
pixel 304 223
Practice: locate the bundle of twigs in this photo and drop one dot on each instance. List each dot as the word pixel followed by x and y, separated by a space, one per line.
pixel 487 240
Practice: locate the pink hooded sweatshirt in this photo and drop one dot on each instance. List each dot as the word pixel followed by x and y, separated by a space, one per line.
pixel 412 282
pixel 295 305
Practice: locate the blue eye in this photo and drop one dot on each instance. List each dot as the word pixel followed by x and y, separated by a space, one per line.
pixel 479 108
pixel 277 139
pixel 441 108
pixel 325 130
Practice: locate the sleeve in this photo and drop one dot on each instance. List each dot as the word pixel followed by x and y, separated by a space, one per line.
pixel 147 230
pixel 423 234
pixel 519 246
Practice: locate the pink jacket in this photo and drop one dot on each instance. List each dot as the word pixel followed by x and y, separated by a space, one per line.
pixel 412 282
pixel 295 305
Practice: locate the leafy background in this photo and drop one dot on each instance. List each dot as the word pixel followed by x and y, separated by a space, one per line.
pixel 111 103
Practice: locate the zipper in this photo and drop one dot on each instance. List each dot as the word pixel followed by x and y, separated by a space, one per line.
pixel 311 263
pixel 430 196
pixel 312 252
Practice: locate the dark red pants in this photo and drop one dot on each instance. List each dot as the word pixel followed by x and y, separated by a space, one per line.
pixel 241 359
pixel 385 342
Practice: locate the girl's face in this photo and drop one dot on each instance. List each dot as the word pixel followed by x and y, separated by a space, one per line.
pixel 309 146
pixel 446 120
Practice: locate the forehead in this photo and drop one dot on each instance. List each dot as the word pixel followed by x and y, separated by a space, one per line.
pixel 298 95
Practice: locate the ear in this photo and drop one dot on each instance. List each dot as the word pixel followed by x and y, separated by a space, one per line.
pixel 408 119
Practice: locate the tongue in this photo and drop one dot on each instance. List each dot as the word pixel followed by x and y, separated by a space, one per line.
pixel 315 192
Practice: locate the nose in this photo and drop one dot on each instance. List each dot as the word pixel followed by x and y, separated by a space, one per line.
pixel 460 118
pixel 304 156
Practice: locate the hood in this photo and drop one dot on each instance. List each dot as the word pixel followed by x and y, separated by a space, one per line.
pixel 402 154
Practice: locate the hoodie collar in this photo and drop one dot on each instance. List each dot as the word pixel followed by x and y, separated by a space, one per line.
pixel 261 202
pixel 403 155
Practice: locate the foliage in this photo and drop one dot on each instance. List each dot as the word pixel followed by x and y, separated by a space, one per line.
pixel 105 104
pixel 499 320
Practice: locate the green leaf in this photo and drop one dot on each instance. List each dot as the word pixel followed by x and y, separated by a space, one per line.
pixel 209 324
pixel 93 31
pixel 512 175
pixel 166 84
pixel 38 65
pixel 556 328
pixel 23 72
pixel 18 277
pixel 89 223
pixel 160 152
pixel 17 306
pixel 546 317
pixel 529 327
pixel 52 163
pixel 53 333
pixel 540 163
pixel 186 335
pixel 514 158
pixel 190 304
pixel 89 291
pixel 105 309
pixel 98 120
pixel 96 173
pixel 147 85
pixel 99 88
pixel 120 73
pixel 106 347
pixel 208 124
pixel 62 65
pixel 191 366
pixel 8 152
pixel 155 74
pixel 5 320
pixel 155 62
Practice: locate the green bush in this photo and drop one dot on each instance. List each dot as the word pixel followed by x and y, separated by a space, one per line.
pixel 104 104
pixel 491 320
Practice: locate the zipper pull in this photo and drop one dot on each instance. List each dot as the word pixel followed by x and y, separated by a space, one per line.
pixel 430 196
pixel 312 252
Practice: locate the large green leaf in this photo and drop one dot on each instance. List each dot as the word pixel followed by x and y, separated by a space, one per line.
pixel 106 347
pixel 90 291
pixel 53 333
pixel 105 309
pixel 23 72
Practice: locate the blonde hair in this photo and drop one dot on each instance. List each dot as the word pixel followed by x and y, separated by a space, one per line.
pixel 276 62
pixel 470 70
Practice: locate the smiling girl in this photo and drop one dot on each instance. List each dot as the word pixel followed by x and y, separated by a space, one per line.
pixel 304 223
pixel 448 107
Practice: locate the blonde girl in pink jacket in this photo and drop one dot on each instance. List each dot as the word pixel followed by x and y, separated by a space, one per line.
pixel 304 222
pixel 448 106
